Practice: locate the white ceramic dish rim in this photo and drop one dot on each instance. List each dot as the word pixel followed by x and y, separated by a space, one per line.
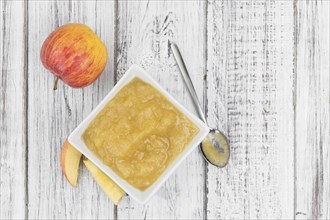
pixel 75 137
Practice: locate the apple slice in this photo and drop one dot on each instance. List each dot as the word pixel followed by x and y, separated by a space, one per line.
pixel 108 185
pixel 70 159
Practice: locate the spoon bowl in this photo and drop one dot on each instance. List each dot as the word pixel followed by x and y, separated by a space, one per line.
pixel 215 148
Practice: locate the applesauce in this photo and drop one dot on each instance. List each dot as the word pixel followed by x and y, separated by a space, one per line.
pixel 139 133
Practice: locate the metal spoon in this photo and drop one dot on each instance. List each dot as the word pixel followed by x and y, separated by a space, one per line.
pixel 215 147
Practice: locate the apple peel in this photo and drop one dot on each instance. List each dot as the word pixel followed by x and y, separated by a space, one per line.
pixel 70 160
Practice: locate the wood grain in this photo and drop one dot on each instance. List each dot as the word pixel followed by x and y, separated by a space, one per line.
pixel 249 90
pixel 261 68
pixel 312 110
pixel 53 115
pixel 12 111
pixel 145 30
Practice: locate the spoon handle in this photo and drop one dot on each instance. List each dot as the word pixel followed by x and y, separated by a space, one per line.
pixel 187 79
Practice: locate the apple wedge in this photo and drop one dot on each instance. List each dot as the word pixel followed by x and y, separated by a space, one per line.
pixel 109 187
pixel 70 159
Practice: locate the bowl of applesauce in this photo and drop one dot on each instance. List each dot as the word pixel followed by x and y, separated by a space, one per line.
pixel 138 134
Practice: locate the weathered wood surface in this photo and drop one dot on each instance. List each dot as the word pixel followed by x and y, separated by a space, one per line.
pixel 249 90
pixel 12 111
pixel 53 115
pixel 312 119
pixel 260 69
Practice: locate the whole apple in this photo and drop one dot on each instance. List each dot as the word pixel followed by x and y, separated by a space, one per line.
pixel 74 54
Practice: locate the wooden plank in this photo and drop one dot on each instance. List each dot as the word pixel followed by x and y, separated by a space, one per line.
pixel 145 30
pixel 12 111
pixel 53 115
pixel 250 98
pixel 312 110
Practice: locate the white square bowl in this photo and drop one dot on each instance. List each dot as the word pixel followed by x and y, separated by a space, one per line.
pixel 76 140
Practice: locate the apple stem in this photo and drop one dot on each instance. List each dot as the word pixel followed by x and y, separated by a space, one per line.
pixel 55 84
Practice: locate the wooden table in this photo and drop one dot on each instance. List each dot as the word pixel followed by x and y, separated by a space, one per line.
pixel 261 69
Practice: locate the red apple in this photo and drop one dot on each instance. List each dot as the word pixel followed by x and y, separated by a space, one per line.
pixel 74 54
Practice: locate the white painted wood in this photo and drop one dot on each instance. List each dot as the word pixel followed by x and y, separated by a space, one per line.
pixel 312 110
pixel 145 30
pixel 250 98
pixel 53 115
pixel 12 111
pixel 267 87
